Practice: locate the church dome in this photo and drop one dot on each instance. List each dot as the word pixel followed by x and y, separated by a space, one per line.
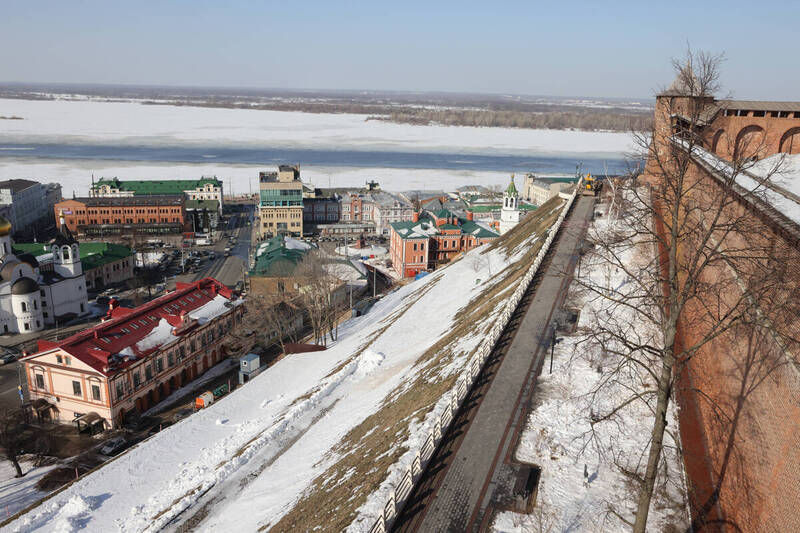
pixel 24 286
pixel 5 226
pixel 8 270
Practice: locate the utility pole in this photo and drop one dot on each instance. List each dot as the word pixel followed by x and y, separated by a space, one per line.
pixel 374 279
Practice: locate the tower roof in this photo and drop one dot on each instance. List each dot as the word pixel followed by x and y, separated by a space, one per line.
pixel 511 190
pixel 64 236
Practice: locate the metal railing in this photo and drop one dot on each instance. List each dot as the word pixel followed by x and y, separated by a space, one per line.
pixel 463 384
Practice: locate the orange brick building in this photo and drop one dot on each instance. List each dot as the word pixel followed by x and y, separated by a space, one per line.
pixel 432 240
pixel 739 397
pixel 156 214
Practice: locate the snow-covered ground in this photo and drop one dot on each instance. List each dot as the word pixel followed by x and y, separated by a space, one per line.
pixel 371 249
pixel 51 121
pixel 249 458
pixel 17 493
pixel 149 259
pixel 582 481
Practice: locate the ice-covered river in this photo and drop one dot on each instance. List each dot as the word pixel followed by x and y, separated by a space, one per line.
pixel 69 141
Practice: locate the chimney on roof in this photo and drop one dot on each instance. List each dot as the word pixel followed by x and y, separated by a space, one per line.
pixel 414 217
pixel 470 216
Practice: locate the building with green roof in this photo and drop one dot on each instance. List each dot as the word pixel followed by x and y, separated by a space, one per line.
pixel 206 188
pixel 434 239
pixel 102 263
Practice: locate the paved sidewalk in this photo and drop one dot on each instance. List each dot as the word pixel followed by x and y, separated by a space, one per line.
pixel 475 473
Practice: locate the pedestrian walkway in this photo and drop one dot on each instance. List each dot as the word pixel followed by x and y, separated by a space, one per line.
pixel 475 472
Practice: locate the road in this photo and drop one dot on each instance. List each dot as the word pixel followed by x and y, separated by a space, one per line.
pixel 472 473
pixel 228 270
pixel 9 380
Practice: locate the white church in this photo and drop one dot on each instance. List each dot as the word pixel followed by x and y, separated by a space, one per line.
pixel 32 298
pixel 509 213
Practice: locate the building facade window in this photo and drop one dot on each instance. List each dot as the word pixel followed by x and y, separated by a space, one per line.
pixel 76 388
pixel 96 393
pixel 40 381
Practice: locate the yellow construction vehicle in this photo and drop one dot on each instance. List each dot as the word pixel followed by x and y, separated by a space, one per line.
pixel 588 185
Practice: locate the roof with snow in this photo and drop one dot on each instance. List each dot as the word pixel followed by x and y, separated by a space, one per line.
pixel 279 256
pixel 133 333
pixel 771 184
pixel 426 227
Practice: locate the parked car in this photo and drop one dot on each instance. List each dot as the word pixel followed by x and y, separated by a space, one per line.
pixel 8 358
pixel 212 256
pixel 113 446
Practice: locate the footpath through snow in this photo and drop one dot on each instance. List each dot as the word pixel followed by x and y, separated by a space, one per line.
pixel 586 482
pixel 318 432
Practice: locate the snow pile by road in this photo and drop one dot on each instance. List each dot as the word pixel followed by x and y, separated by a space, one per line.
pixel 286 427
pixel 583 463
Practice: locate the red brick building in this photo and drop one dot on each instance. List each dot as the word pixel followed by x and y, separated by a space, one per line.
pixel 434 239
pixel 156 214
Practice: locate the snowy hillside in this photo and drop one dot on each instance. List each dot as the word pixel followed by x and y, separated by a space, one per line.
pixel 307 441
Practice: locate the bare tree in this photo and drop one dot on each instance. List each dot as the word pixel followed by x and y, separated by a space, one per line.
pixel 319 296
pixel 280 313
pixel 711 269
pixel 12 436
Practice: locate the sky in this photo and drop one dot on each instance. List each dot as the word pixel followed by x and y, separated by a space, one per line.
pixel 562 48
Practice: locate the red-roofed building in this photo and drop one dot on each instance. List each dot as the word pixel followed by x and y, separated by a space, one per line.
pixel 135 357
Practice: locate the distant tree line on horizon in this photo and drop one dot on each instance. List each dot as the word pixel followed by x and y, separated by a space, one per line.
pixel 555 120
pixel 560 118
pixel 458 110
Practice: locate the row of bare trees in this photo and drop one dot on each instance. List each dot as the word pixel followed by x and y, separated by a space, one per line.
pixel 713 277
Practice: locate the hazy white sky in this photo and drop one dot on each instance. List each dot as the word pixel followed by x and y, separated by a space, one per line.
pixel 620 48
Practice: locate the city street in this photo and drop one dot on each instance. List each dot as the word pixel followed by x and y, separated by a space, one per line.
pixel 9 380
pixel 228 270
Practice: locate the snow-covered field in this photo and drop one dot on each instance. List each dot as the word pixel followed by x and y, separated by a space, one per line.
pixel 248 459
pixel 17 493
pixel 583 483
pixel 58 121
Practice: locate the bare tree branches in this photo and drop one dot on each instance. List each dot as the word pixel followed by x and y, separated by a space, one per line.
pixel 711 272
